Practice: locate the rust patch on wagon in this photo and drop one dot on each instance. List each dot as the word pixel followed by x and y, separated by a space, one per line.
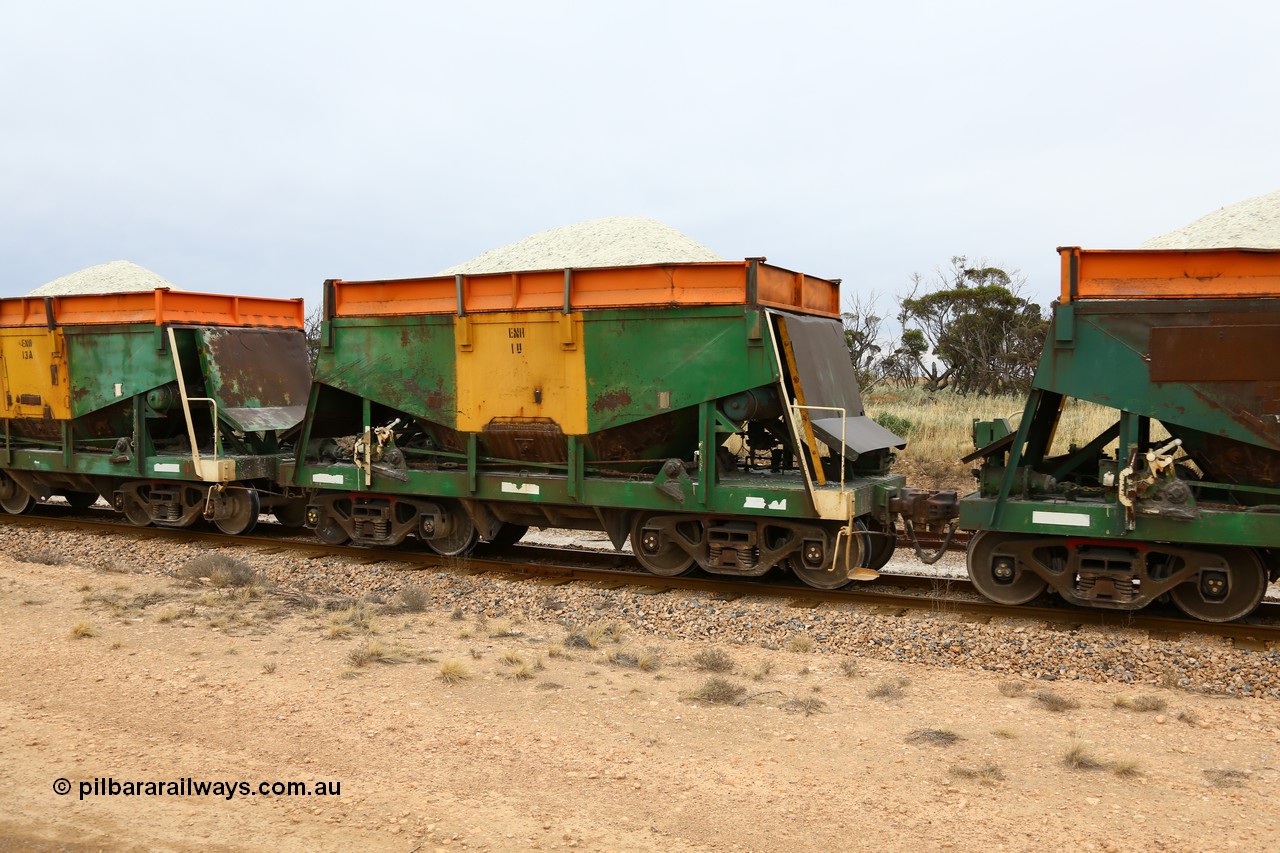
pixel 611 401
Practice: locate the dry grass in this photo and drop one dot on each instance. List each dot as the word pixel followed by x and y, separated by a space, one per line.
pixel 511 658
pixel 718 691
pixel 1227 778
pixel 39 556
pixel 1078 757
pixel 412 599
pixel 523 672
pixel 1054 702
pixel 851 668
pixel 167 615
pixel 453 672
pixel 1005 733
pixel 942 428
pixel 269 667
pixel 81 630
pixel 1125 768
pixel 1189 716
pixel 713 660
pixel 801 643
pixel 371 651
pixel 1142 703
pixel 761 672
pixel 220 572
pixel 938 737
pixel 592 636
pixel 557 652
pixel 889 689
pixel 502 630
pixel 1012 688
pixel 988 773
pixel 808 705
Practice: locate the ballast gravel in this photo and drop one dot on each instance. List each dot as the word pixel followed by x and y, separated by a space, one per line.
pixel 1010 647
pixel 1251 224
pixel 614 241
pixel 113 277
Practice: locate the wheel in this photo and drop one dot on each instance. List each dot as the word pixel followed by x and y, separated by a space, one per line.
pixel 136 512
pixel 835 572
pixel 509 534
pixel 245 507
pixel 292 514
pixel 1222 595
pixel 997 573
pixel 19 503
pixel 458 536
pixel 13 498
pixel 880 544
pixel 329 531
pixel 80 500
pixel 655 550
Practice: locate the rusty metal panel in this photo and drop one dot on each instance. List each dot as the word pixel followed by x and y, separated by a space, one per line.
pixel 1215 353
pixel 259 377
pixel 827 377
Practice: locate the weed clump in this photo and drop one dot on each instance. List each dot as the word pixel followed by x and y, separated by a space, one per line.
pixel 453 672
pixel 801 643
pixel 220 572
pixel 38 556
pixel 808 705
pixel 889 689
pixel 939 737
pixel 988 773
pixel 412 599
pixel 1226 778
pixel 1055 702
pixel 851 668
pixel 718 691
pixel 371 651
pixel 1078 757
pixel 1012 688
pixel 81 630
pixel 713 660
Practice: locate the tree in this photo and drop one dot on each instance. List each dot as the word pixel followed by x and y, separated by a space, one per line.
pixel 311 332
pixel 862 337
pixel 974 332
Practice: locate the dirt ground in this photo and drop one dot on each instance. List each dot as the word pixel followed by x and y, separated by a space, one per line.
pixel 543 744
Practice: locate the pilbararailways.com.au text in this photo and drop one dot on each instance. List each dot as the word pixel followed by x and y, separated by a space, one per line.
pixel 188 787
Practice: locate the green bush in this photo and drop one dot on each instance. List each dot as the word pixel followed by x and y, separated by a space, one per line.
pixel 895 424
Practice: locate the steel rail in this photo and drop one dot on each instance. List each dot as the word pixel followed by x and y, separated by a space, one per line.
pixel 552 563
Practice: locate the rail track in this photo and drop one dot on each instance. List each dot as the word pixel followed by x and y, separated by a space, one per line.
pixel 893 594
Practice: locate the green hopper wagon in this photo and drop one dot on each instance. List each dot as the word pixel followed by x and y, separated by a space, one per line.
pixel 1179 497
pixel 707 411
pixel 168 404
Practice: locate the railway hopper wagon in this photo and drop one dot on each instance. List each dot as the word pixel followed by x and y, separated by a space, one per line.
pixel 1179 497
pixel 168 404
pixel 708 412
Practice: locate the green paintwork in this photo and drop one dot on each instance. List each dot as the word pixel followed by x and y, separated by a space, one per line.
pixel 100 357
pixel 694 354
pixel 406 363
pixel 1099 351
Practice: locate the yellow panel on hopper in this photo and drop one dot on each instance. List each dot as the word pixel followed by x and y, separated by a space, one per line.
pixel 33 372
pixel 525 364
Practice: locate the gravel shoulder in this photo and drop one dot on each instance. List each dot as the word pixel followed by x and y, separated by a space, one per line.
pixel 573 724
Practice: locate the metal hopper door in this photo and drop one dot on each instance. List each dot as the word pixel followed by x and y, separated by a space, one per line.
pixel 259 378
pixel 821 391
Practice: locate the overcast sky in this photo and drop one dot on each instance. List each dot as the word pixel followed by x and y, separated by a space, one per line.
pixel 264 147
